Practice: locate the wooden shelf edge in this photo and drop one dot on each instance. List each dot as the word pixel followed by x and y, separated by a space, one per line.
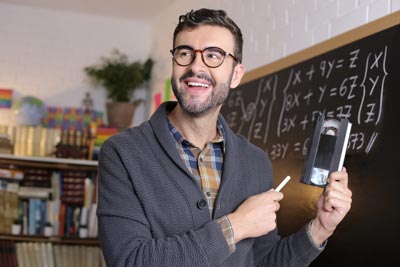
pixel 52 239
pixel 84 162
pixel 48 162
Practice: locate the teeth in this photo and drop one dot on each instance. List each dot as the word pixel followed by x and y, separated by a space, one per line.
pixel 197 84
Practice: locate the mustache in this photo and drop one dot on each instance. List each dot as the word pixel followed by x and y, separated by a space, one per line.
pixel 202 76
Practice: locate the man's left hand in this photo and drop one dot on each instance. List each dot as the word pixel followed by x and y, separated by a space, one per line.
pixel 333 205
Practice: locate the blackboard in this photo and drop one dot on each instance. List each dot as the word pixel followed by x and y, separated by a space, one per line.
pixel 354 76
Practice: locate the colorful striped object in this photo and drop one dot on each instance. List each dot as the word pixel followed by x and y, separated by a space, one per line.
pixel 6 98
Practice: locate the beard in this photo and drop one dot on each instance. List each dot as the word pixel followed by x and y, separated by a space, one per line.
pixel 196 109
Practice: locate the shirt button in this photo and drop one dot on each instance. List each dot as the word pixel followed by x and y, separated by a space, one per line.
pixel 208 194
pixel 202 204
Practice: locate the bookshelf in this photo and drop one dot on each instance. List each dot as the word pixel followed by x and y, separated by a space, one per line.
pixel 68 188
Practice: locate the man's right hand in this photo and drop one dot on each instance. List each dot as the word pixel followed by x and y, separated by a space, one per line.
pixel 256 216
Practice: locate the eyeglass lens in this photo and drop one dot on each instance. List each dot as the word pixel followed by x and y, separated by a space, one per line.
pixel 211 56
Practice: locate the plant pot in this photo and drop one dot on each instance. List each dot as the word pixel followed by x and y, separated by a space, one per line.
pixel 83 232
pixel 48 230
pixel 120 114
pixel 16 229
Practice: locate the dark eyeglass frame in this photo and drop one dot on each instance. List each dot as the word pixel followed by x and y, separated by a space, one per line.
pixel 222 51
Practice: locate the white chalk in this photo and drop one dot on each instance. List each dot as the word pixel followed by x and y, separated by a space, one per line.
pixel 282 184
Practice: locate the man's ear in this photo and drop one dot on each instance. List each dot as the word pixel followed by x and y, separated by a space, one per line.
pixel 238 73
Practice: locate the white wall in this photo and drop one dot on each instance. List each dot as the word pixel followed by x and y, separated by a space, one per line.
pixel 272 29
pixel 43 52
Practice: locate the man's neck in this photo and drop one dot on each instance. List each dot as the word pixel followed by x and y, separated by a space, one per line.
pixel 198 130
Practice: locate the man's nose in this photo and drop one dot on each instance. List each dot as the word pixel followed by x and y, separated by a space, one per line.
pixel 198 64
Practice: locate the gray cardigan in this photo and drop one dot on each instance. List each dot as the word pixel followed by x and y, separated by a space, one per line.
pixel 151 211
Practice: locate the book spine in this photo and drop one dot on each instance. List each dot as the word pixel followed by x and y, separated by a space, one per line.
pixel 63 211
pixel 31 216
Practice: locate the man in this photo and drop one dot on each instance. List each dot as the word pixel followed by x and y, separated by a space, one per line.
pixel 183 190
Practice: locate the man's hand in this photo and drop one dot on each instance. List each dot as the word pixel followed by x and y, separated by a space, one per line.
pixel 333 205
pixel 256 216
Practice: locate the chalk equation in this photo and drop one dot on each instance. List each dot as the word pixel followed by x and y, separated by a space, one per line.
pixel 277 111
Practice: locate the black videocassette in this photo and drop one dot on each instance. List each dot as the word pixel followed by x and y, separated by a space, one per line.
pixel 327 150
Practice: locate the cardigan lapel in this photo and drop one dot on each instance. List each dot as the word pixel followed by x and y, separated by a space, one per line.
pixel 159 128
pixel 230 173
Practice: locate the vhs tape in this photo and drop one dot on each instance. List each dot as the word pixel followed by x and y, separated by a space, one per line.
pixel 327 150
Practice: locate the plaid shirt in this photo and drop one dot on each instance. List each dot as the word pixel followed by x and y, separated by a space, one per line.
pixel 206 167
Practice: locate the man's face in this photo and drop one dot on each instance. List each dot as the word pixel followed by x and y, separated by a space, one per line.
pixel 198 87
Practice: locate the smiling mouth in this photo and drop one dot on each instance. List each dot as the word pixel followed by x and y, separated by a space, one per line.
pixel 197 84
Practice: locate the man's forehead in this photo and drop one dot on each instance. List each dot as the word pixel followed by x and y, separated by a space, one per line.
pixel 205 36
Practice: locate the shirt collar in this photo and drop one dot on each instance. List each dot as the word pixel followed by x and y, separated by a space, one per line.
pixel 181 140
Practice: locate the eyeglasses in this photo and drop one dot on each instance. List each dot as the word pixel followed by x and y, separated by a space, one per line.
pixel 213 57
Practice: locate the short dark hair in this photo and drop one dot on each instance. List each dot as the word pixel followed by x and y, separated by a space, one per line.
pixel 204 16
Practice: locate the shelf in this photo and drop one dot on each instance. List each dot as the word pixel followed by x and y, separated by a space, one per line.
pixel 52 239
pixel 48 162
pixel 88 169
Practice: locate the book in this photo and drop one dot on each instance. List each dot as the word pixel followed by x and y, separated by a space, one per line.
pixel 76 255
pixel 12 174
pixel 57 255
pixel 35 216
pixel 102 134
pixel 37 177
pixel 327 150
pixel 20 254
pixel 102 259
pixel 24 204
pixel 31 257
pixel 61 226
pixel 92 226
pixel 54 218
pixel 6 147
pixel 73 187
pixel 50 254
pixel 34 192
pixel 37 254
pixel 8 256
pixel 44 260
pixel 64 256
pixel 88 193
pixel 95 253
pixel 9 211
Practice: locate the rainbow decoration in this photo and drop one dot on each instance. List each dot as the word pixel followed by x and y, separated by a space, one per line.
pixel 71 118
pixel 54 117
pixel 6 98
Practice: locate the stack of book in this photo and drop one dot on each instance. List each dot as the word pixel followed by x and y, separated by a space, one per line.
pixel 102 134
pixel 78 206
pixel 35 140
pixel 8 256
pixel 9 185
pixel 8 209
pixel 39 254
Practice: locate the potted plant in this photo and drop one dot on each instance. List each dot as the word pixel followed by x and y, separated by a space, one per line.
pixel 120 77
pixel 16 227
pixel 48 229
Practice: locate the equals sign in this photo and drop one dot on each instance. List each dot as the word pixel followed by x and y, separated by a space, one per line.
pixel 297 146
pixel 333 91
pixel 339 63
